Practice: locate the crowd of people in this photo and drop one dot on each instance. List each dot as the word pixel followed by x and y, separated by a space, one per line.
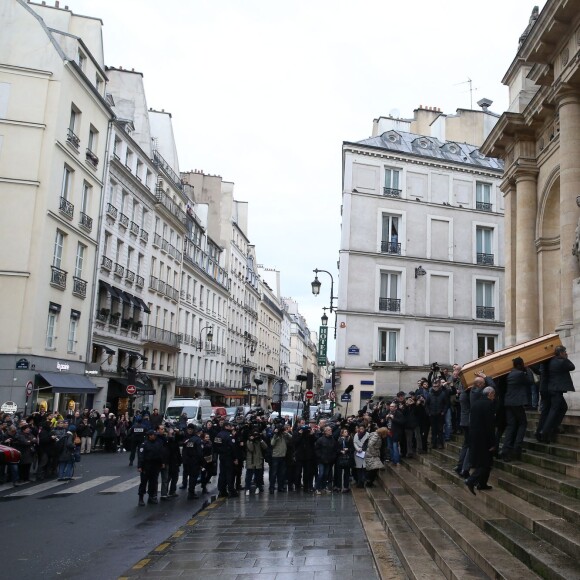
pixel 318 455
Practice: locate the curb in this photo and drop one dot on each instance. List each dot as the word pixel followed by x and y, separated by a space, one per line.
pixel 162 549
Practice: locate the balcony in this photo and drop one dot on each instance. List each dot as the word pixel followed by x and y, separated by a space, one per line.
pixel 112 211
pixel 92 159
pixel 164 245
pixel 485 312
pixel 66 208
pixel 391 192
pixel 118 270
pixel 134 228
pixel 157 240
pixel 390 304
pixel 79 287
pixel 485 259
pixel 106 263
pixel 170 206
pixel 153 282
pixel 172 176
pixel 158 335
pixel 144 235
pixel 129 276
pixel 391 248
pixel 161 286
pixel 72 139
pixel 123 220
pixel 483 206
pixel 58 278
pixel 86 222
pixel 139 281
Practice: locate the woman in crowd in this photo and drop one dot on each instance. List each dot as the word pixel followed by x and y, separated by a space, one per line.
pixel 344 461
pixel 360 442
pixel 373 460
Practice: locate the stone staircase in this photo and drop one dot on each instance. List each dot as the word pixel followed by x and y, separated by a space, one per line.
pixel 527 526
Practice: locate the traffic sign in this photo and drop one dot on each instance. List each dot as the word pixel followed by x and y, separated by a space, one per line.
pixel 309 395
pixel 332 395
pixel 29 387
pixel 131 389
pixel 345 398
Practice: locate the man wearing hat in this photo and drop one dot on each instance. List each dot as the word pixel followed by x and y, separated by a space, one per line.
pixel 150 463
pixel 192 457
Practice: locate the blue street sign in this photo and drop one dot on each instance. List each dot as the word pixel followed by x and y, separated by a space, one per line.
pixel 345 398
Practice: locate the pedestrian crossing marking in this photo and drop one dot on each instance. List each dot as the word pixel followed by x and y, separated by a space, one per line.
pixel 87 485
pixel 123 486
pixel 162 547
pixel 178 534
pixel 211 506
pixel 191 523
pixel 35 489
pixel 141 563
pixel 203 513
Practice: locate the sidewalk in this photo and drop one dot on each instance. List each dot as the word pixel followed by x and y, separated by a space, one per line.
pixel 266 537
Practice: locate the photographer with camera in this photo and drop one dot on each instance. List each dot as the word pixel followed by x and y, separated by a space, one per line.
pixel 305 457
pixel 255 448
pixel 279 443
pixel 436 406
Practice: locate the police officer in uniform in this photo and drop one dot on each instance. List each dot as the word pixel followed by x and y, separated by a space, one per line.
pixel 223 444
pixel 192 457
pixel 150 463
pixel 136 435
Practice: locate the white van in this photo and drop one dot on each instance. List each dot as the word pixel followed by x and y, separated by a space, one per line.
pixel 198 410
pixel 291 410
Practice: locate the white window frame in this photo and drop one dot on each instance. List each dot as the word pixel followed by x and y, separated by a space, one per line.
pixel 402 217
pixel 50 330
pixel 440 274
pixel 450 246
pixel 494 240
pixel 401 288
pixel 495 295
pixel 477 332
pixel 79 260
pixel 450 331
pixel 58 249
pixel 86 195
pixel 66 186
pixel 477 189
pixel 399 329
pixel 72 335
pixel 390 171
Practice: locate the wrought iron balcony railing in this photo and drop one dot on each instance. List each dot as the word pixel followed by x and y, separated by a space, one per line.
pixel 482 205
pixel 129 276
pixel 112 211
pixel 134 228
pixel 79 287
pixel 391 248
pixel 390 304
pixel 391 192
pixel 485 312
pixel 485 259
pixel 123 220
pixel 119 270
pixel 72 138
pixel 92 158
pixel 86 222
pixel 106 263
pixel 66 208
pixel 154 334
pixel 58 277
pixel 139 281
pixel 144 235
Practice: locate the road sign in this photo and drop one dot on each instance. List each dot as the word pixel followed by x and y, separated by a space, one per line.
pixel 332 395
pixel 309 395
pixel 29 387
pixel 131 389
pixel 345 398
pixel 9 407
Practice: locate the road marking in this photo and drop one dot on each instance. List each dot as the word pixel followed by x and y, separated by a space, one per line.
pixel 141 563
pixel 87 485
pixel 178 534
pixel 123 486
pixel 36 489
pixel 203 513
pixel 191 523
pixel 162 547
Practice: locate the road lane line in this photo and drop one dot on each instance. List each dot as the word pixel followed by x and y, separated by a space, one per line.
pixel 87 485
pixel 123 486
pixel 36 489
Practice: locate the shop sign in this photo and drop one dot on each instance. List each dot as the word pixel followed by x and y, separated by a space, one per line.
pixel 9 407
pixel 62 366
pixel 22 364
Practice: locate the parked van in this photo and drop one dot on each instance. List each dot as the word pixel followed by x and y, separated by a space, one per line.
pixel 291 410
pixel 198 410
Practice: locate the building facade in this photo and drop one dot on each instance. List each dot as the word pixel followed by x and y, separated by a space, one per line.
pixel 538 140
pixel 421 269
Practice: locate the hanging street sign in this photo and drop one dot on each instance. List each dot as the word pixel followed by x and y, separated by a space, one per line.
pixel 322 344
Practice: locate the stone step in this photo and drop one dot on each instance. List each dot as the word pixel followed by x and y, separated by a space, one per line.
pixel 559 450
pixel 413 556
pixel 438 495
pixel 555 503
pixel 569 419
pixel 568 428
pixel 566 440
pixel 541 521
pixel 449 558
pixel 552 463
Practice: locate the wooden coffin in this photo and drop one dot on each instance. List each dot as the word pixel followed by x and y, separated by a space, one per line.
pixel 500 363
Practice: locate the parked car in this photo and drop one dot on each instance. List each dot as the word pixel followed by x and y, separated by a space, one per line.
pixel 232 413
pixel 219 412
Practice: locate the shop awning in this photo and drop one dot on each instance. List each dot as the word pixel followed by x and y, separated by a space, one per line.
pixel 105 348
pixel 117 294
pixel 143 306
pixel 69 383
pixel 130 299
pixel 228 393
pixel 142 388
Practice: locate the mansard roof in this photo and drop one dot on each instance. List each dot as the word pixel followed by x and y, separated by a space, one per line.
pixel 431 147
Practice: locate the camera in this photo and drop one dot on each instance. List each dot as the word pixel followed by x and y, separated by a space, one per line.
pixel 435 367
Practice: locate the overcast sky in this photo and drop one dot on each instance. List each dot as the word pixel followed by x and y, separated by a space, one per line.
pixel 264 92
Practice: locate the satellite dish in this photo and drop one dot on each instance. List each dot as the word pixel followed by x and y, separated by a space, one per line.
pixel 395 113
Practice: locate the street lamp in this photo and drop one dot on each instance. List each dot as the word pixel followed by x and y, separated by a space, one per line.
pixel 324 317
pixel 316 291
pixel 208 336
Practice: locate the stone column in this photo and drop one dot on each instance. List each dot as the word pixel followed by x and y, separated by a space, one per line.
pixel 509 264
pixel 526 259
pixel 569 110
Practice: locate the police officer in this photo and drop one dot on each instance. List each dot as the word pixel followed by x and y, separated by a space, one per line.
pixel 224 446
pixel 136 435
pixel 192 456
pixel 150 463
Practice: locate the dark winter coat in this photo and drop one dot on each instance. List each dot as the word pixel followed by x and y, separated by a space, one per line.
pixel 326 449
pixel 518 385
pixel 437 402
pixel 482 432
pixel 559 379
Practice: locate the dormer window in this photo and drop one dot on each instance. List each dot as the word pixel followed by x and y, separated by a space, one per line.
pixel 81 59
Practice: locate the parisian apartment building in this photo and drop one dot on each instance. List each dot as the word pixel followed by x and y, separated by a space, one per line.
pixel 125 281
pixel 421 266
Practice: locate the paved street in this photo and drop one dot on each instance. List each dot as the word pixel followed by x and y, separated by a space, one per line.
pixel 266 537
pixel 90 528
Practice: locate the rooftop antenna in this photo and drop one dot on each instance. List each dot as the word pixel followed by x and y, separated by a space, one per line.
pixel 471 89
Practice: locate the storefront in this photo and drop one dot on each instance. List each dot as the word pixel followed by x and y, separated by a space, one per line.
pixel 226 397
pixel 122 400
pixel 63 392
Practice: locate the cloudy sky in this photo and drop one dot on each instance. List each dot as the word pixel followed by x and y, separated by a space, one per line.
pixel 264 92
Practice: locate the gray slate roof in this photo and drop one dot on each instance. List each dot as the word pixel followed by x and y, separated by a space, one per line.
pixel 431 147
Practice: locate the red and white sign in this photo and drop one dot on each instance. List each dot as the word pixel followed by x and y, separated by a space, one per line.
pixel 29 387
pixel 332 395
pixel 131 389
pixel 309 395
